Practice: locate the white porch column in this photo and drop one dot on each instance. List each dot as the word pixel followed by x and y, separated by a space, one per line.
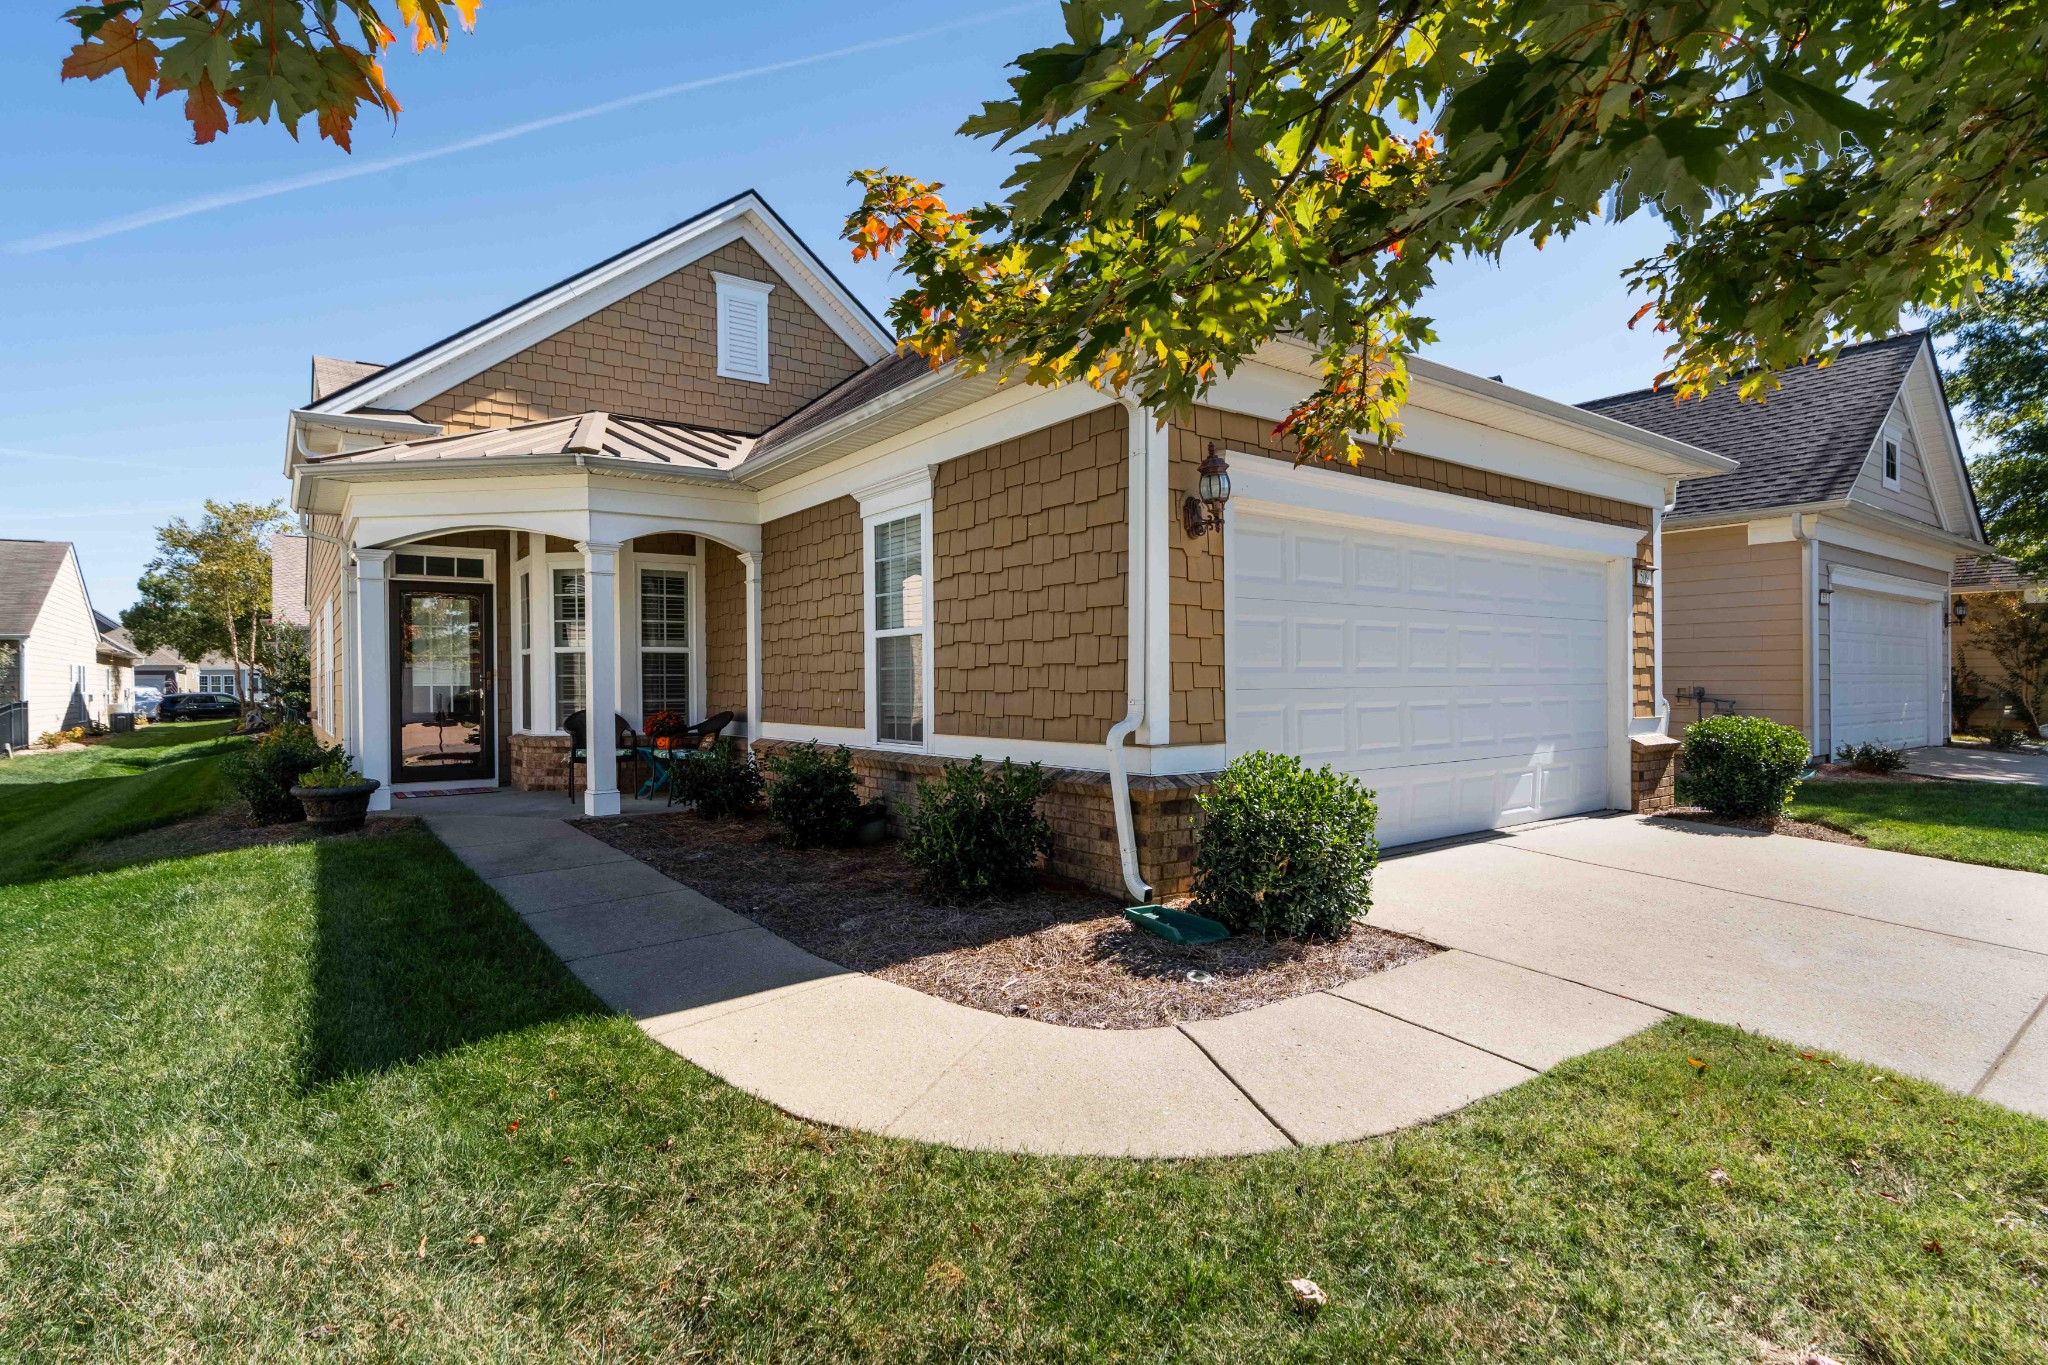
pixel 751 560
pixel 372 678
pixel 600 728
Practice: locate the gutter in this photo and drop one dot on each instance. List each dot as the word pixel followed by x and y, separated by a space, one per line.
pixel 1134 658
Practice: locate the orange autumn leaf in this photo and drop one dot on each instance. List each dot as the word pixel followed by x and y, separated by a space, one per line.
pixel 118 46
pixel 205 112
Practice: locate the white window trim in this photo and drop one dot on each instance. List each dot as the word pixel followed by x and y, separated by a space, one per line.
pixel 551 564
pixel 1891 462
pixel 893 510
pixel 734 289
pixel 691 567
pixel 489 560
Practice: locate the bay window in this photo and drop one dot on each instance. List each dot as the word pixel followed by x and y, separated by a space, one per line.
pixel 665 641
pixel 571 638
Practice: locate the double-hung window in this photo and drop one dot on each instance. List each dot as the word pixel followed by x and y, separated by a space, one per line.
pixel 897 579
pixel 571 640
pixel 665 641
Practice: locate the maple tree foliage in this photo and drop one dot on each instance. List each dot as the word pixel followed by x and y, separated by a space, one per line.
pixel 258 60
pixel 1195 178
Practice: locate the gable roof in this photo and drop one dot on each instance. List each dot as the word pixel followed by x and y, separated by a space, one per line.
pixel 27 570
pixel 1806 444
pixel 435 368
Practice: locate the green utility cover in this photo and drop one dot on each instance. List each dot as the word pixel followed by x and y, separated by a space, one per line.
pixel 1176 926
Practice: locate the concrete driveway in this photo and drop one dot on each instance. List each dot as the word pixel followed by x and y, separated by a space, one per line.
pixel 1971 764
pixel 1932 968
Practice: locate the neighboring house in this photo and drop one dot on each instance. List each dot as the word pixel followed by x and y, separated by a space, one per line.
pixel 1975 579
pixel 56 658
pixel 1811 585
pixel 699 477
pixel 168 671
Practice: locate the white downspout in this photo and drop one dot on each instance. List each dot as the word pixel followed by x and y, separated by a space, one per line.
pixel 1657 514
pixel 1134 661
pixel 1810 574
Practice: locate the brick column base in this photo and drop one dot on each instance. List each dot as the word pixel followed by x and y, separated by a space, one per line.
pixel 540 763
pixel 1653 765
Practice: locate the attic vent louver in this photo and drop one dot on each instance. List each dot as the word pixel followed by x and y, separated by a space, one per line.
pixel 742 328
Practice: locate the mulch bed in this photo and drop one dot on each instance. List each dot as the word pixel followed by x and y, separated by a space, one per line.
pixel 1063 957
pixel 1798 829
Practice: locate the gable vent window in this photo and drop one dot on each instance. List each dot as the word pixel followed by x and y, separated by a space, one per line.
pixel 1891 464
pixel 742 328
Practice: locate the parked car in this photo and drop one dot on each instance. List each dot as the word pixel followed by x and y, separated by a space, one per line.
pixel 198 706
pixel 146 701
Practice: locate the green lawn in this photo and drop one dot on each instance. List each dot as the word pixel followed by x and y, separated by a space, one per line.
pixel 1998 824
pixel 52 805
pixel 330 1100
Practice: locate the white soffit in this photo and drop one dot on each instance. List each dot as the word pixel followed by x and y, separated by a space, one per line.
pixel 475 349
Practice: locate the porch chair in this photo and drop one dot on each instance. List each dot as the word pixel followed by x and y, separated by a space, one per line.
pixel 579 749
pixel 699 738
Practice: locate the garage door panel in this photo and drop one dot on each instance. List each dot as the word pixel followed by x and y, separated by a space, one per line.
pixel 1881 655
pixel 1467 687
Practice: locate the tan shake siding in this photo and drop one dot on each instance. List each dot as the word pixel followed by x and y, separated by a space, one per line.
pixel 811 623
pixel 323 585
pixel 1733 624
pixel 654 354
pixel 725 630
pixel 1197 570
pixel 1643 627
pixel 1029 559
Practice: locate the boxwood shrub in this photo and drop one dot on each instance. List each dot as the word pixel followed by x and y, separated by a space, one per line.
pixel 976 831
pixel 718 784
pixel 812 796
pixel 265 772
pixel 1742 767
pixel 1286 850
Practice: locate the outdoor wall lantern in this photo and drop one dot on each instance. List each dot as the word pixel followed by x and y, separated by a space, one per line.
pixel 1961 611
pixel 1202 511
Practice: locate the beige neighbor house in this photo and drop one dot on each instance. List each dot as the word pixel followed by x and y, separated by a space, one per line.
pixel 699 477
pixel 168 671
pixel 1811 585
pixel 1975 583
pixel 61 663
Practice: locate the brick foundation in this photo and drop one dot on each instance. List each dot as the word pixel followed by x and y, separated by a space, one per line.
pixel 540 763
pixel 1084 848
pixel 1653 765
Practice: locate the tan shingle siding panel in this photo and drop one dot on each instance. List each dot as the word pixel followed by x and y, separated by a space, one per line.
pixel 1196 568
pixel 654 354
pixel 725 630
pixel 811 624
pixel 1030 544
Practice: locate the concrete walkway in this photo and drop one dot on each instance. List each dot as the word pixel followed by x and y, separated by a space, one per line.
pixel 1562 939
pixel 1971 764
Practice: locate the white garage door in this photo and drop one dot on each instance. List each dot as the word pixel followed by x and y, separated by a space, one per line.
pixel 1881 669
pixel 1466 686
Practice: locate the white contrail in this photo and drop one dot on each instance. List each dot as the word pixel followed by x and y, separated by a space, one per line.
pixel 185 208
pixel 17 453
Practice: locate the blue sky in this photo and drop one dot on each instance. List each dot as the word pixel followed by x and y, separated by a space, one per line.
pixel 148 368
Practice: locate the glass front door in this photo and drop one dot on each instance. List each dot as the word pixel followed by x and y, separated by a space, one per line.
pixel 443 708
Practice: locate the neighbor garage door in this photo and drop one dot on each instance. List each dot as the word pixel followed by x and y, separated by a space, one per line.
pixel 1881 657
pixel 1466 686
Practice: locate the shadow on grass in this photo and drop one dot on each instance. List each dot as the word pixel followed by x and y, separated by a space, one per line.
pixel 415 956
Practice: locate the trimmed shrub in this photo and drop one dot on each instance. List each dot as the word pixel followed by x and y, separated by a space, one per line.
pixel 812 796
pixel 1286 851
pixel 1872 757
pixel 1741 767
pixel 265 772
pixel 977 832
pixel 723 782
pixel 2005 740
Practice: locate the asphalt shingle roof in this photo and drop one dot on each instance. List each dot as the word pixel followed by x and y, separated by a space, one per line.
pixel 27 569
pixel 1986 573
pixel 1805 445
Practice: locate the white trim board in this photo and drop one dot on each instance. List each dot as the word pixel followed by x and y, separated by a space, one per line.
pixel 1347 499
pixel 1863 580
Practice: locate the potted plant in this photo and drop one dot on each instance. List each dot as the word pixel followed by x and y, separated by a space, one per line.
pixel 664 726
pixel 335 795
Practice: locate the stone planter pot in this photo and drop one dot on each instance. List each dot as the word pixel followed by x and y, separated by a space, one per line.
pixel 872 829
pixel 336 810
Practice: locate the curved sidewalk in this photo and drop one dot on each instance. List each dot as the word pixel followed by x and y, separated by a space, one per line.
pixel 841 1047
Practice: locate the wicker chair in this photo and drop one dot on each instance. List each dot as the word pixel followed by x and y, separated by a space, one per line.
pixel 579 750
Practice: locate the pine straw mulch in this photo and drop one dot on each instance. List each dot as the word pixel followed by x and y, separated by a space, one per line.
pixel 1798 829
pixel 1059 956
